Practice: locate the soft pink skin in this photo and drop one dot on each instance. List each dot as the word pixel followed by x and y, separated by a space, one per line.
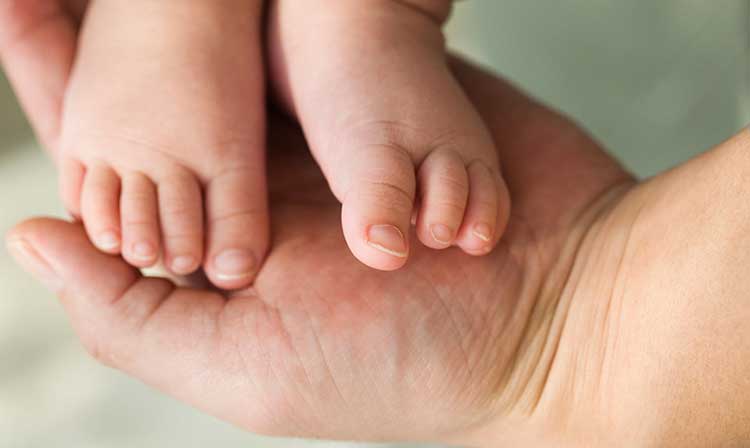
pixel 613 313
pixel 388 123
pixel 162 145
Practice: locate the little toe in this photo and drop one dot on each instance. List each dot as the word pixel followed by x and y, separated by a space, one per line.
pixel 181 220
pixel 238 227
pixel 444 189
pixel 378 206
pixel 100 208
pixel 140 220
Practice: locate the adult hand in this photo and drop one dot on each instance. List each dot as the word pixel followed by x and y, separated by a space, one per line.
pixel 38 41
pixel 611 314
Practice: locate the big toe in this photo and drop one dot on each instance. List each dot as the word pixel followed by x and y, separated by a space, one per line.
pixel 238 227
pixel 377 207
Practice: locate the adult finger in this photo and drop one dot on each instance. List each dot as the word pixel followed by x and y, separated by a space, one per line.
pixel 37 49
pixel 171 338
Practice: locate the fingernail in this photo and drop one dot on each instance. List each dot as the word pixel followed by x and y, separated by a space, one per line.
pixel 442 234
pixel 234 264
pixel 108 241
pixel 183 265
pixel 388 239
pixel 34 264
pixel 483 232
pixel 143 251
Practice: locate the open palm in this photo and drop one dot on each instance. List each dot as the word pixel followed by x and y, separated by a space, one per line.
pixel 325 346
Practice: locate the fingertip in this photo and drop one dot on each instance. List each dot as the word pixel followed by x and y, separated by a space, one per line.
pixel 29 258
pixel 58 253
pixel 39 230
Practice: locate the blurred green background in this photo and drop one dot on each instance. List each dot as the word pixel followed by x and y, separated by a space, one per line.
pixel 655 81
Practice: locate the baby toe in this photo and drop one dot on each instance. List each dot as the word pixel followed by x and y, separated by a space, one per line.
pixel 100 208
pixel 140 220
pixel 486 212
pixel 444 189
pixel 181 220
pixel 238 227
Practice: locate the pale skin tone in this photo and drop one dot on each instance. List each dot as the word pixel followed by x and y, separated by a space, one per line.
pixel 613 313
pixel 162 139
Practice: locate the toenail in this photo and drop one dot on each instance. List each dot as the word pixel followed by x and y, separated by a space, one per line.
pixel 483 232
pixel 442 234
pixel 184 264
pixel 143 251
pixel 108 241
pixel 235 264
pixel 388 239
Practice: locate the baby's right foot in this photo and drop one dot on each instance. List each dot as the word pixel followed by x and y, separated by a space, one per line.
pixel 163 136
pixel 388 123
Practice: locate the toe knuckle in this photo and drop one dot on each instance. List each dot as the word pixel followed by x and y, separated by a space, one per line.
pixel 487 205
pixel 389 195
pixel 182 238
pixel 238 217
pixel 444 152
pixel 400 139
pixel 136 200
pixel 179 210
pixel 454 208
pixel 453 183
pixel 136 223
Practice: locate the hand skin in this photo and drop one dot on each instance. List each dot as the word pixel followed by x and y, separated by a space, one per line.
pixel 613 313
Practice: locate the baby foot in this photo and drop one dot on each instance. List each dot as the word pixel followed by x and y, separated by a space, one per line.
pixel 389 125
pixel 163 136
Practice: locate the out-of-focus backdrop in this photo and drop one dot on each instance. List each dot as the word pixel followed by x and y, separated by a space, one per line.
pixel 656 81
